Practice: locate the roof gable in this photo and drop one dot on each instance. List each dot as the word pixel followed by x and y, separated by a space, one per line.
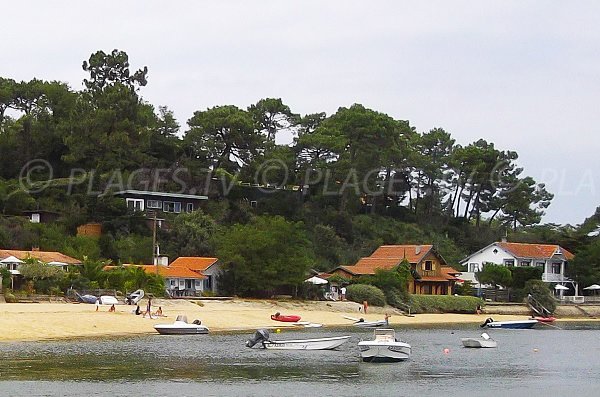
pixel 195 263
pixel 535 251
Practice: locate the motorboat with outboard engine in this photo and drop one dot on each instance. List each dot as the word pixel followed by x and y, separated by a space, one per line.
pixel 262 338
pixel 182 327
pixel 484 341
pixel 384 347
pixel 515 324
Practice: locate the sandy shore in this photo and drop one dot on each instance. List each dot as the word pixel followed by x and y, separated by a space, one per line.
pixel 41 321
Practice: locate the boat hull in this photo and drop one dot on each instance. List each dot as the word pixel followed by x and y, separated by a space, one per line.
pixel 479 343
pixel 526 324
pixel 170 330
pixel 306 344
pixel 370 324
pixel 384 352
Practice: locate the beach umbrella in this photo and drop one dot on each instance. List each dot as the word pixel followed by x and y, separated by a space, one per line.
pixel 316 280
pixel 560 287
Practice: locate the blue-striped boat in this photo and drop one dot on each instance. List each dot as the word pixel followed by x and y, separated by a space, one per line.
pixel 515 324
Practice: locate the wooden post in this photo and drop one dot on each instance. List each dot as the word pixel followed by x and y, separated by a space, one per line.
pixel 154 258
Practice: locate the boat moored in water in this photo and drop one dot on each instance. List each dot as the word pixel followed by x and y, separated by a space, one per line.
pixel 515 324
pixel 384 347
pixel 182 327
pixel 262 338
pixel 482 342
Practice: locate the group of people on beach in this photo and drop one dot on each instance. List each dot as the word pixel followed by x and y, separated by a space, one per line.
pixel 138 311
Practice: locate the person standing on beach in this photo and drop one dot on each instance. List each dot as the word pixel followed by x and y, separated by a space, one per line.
pixel 97 304
pixel 149 308
pixel 343 293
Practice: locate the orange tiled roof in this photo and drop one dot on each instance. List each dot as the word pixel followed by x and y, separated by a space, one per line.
pixel 414 253
pixel 382 263
pixel 195 263
pixel 542 251
pixel 44 256
pixel 166 271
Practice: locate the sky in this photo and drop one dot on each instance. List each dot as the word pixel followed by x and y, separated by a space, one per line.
pixel 522 74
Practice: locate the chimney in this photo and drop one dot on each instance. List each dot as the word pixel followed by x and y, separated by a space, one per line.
pixel 417 250
pixel 504 239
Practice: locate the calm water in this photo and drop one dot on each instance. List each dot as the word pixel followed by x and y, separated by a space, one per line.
pixel 538 362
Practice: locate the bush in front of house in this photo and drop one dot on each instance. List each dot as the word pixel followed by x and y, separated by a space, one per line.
pixel 363 292
pixel 444 304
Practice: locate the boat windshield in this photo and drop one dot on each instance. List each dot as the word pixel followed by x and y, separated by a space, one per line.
pixel 182 318
pixel 385 334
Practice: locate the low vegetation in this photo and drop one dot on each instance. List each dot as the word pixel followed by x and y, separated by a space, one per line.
pixel 362 292
pixel 444 304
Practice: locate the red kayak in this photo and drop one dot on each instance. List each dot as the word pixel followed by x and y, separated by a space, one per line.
pixel 545 319
pixel 290 318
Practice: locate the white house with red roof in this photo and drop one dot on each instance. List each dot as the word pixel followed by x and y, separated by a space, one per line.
pixel 551 258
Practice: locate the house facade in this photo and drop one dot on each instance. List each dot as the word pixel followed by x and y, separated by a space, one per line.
pixel 14 259
pixel 160 202
pixel 208 267
pixel 431 273
pixel 552 258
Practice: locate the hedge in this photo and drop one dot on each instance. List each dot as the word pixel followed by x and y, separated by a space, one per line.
pixel 444 304
pixel 363 292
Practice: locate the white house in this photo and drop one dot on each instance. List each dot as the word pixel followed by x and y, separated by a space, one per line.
pixel 551 257
pixel 208 267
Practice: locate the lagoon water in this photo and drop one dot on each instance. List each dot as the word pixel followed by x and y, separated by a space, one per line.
pixel 537 362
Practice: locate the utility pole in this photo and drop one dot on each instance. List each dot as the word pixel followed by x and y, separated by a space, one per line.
pixel 154 258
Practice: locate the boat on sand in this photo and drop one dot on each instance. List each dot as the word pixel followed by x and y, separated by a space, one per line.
pixel 182 327
pixel 262 338
pixel 290 318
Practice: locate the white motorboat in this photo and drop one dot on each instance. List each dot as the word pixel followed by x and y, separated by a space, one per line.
pixel 483 342
pixel 515 324
pixel 384 348
pixel 108 300
pixel 262 338
pixel 182 327
pixel 135 297
pixel 361 323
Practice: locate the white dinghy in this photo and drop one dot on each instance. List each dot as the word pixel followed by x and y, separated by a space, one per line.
pixel 262 339
pixel 485 341
pixel 384 348
pixel 182 327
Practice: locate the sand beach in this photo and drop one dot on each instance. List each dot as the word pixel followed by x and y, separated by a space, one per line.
pixel 45 320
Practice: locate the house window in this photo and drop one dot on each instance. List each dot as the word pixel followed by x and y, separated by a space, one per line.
pixel 525 263
pixel 135 204
pixel 35 218
pixel 556 267
pixel 208 283
pixel 428 265
pixel 540 263
pixel 188 283
pixel 253 204
pixel 426 289
pixel 473 267
pixel 509 262
pixel 173 282
pixel 189 207
pixel 197 284
pixel 172 206
pixel 157 204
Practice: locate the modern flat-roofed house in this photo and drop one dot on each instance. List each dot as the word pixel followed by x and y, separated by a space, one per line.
pixel 551 258
pixel 160 202
pixel 431 273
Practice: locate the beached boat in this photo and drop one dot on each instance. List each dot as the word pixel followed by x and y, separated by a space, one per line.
pixel 482 342
pixel 88 298
pixel 181 327
pixel 135 297
pixel 261 338
pixel 515 324
pixel 290 318
pixel 108 300
pixel 384 347
pixel 544 319
pixel 361 323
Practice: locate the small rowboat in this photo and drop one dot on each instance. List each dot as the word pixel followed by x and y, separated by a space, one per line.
pixel 484 341
pixel 544 319
pixel 290 318
pixel 515 324
pixel 262 337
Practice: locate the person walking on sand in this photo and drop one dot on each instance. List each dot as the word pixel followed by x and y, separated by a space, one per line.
pixel 148 308
pixel 343 291
pixel 97 304
pixel 365 307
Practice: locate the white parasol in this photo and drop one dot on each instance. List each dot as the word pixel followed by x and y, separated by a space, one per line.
pixel 316 280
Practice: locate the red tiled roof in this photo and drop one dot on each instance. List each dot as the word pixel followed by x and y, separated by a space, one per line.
pixel 541 251
pixel 382 263
pixel 166 271
pixel 195 263
pixel 44 256
pixel 413 253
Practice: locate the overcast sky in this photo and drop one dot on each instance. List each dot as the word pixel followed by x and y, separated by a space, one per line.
pixel 522 74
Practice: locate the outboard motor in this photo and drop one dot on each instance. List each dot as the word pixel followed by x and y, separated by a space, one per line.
pixel 261 335
pixel 487 321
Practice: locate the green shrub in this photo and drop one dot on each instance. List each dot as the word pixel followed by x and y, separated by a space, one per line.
pixel 444 304
pixel 540 291
pixel 362 292
pixel 9 297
